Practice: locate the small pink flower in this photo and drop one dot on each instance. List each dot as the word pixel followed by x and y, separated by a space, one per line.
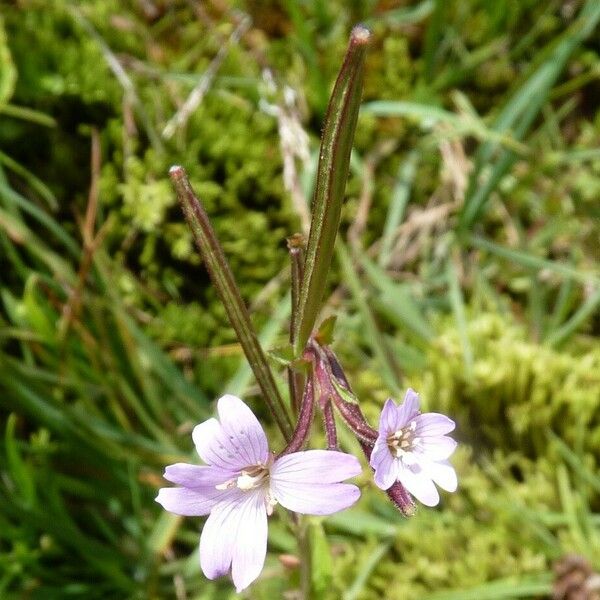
pixel 412 448
pixel 242 482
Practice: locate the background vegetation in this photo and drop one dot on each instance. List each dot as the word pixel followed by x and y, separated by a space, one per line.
pixel 468 270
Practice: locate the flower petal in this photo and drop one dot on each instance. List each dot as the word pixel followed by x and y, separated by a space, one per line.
pixel 250 543
pixel 189 502
pixel 380 452
pixel 436 448
pixel 386 472
pixel 315 466
pixel 383 464
pixel 218 538
pixel 232 524
pixel 433 424
pixel 235 443
pixel 196 476
pixel 311 499
pixel 408 410
pixel 419 485
pixel 210 442
pixel 443 474
pixel 244 432
pixel 388 418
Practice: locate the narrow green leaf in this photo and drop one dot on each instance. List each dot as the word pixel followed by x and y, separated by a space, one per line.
pixel 18 468
pixel 502 589
pixel 389 367
pixel 398 202
pixel 332 172
pixel 458 307
pixel 531 261
pixel 521 110
pixel 320 558
pixel 223 280
pixel 365 571
pixel 584 312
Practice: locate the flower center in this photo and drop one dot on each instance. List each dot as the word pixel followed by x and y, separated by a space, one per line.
pixel 253 477
pixel 404 440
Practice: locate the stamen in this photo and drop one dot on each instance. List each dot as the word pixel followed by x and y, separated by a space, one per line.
pixel 403 441
pixel 227 485
pixel 270 502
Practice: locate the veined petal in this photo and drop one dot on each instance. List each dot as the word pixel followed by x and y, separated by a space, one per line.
pixel 210 442
pixel 436 448
pixel 433 424
pixel 388 420
pixel 383 464
pixel 245 434
pixel 218 537
pixel 419 485
pixel 250 546
pixel 408 410
pixel 380 452
pixel 189 502
pixel 386 471
pixel 315 466
pixel 311 499
pixel 235 443
pixel 196 476
pixel 235 535
pixel 443 474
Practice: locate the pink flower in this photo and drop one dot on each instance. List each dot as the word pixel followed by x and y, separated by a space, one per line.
pixel 242 482
pixel 412 448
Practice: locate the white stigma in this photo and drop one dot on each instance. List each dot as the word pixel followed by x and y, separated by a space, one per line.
pixel 252 478
pixel 248 481
pixel 249 478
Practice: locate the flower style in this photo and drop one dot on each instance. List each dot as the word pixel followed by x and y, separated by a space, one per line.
pixel 242 482
pixel 412 448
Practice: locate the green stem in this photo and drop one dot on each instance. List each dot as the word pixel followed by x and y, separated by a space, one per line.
pixel 222 278
pixel 332 172
pixel 305 556
pixel 296 250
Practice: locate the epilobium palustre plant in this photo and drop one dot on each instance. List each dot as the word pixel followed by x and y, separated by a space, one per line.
pixel 242 481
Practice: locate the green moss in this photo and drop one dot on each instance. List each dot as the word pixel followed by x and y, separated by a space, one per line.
pixel 517 390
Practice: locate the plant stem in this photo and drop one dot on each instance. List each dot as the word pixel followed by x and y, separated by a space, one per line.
pixel 305 556
pixel 305 419
pixel 295 378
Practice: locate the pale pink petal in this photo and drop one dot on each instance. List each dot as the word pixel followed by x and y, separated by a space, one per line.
pixel 218 538
pixel 220 447
pixel 311 499
pixel 315 466
pixel 244 432
pixel 433 424
pixel 235 535
pixel 210 442
pixel 419 485
pixel 189 502
pixel 408 410
pixel 250 546
pixel 436 448
pixel 388 418
pixel 386 472
pixel 443 474
pixel 194 476
pixel 380 452
pixel 383 464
